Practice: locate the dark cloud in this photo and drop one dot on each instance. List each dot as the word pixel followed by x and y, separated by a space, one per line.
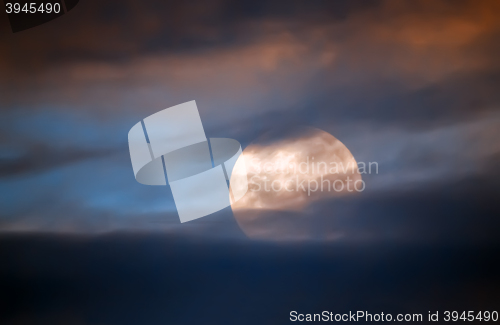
pixel 90 32
pixel 130 278
pixel 40 157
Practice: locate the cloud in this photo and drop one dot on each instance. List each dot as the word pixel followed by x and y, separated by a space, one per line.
pixel 292 173
pixel 42 157
pixel 410 86
pixel 269 63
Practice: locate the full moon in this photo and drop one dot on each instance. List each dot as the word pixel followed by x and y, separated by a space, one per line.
pixel 286 177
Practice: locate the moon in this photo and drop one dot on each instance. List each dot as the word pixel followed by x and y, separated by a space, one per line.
pixel 286 178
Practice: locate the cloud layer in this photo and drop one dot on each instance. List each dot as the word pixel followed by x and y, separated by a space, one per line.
pixel 412 86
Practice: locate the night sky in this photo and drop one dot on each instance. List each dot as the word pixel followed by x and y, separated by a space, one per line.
pixel 413 86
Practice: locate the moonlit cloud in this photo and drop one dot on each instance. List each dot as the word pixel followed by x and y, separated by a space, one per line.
pixel 286 177
pixel 292 173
